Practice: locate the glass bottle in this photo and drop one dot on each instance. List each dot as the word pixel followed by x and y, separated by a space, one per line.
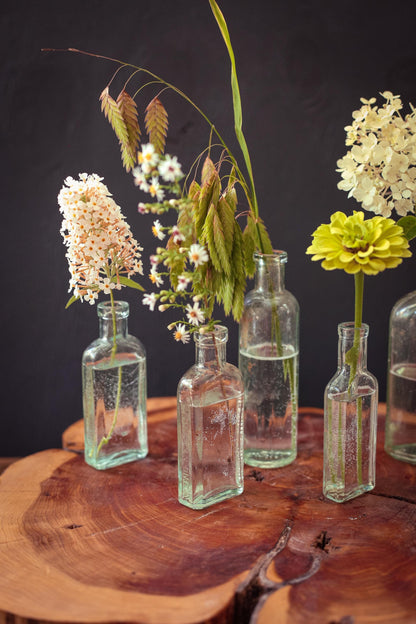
pixel 401 384
pixel 114 392
pixel 210 425
pixel 268 360
pixel 350 419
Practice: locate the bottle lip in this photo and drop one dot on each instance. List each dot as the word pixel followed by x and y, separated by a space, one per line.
pixel 348 329
pixel 104 309
pixel 277 255
pixel 218 335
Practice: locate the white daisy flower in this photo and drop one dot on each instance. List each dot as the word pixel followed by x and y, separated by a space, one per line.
pixel 177 236
pixel 148 158
pixel 170 169
pixel 157 230
pixel 150 300
pixel 183 282
pixel 155 190
pixel 198 254
pixel 195 314
pixel 181 334
pixel 155 277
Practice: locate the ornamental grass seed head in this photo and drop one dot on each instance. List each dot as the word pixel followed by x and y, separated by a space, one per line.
pixel 355 244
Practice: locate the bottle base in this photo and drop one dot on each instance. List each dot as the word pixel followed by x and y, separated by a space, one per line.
pixel 205 501
pixel 117 459
pixel 338 494
pixel 268 459
pixel 403 452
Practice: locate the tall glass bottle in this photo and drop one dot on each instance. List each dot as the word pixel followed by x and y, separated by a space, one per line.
pixel 401 386
pixel 268 360
pixel 350 419
pixel 210 425
pixel 114 392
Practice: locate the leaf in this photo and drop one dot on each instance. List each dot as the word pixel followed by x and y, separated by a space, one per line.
pixel 238 113
pixel 126 281
pixel 71 301
pixel 408 224
pixel 249 246
pixel 239 274
pixel 156 121
pixel 128 109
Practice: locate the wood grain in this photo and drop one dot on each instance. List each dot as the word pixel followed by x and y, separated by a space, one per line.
pixel 80 545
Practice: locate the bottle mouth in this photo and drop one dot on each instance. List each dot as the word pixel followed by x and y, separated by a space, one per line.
pixel 277 255
pixel 105 311
pixel 217 335
pixel 348 329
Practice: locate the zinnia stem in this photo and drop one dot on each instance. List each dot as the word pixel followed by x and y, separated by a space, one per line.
pixel 358 319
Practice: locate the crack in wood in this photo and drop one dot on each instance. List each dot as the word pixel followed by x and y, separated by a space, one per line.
pixel 257 587
pixel 322 541
pixel 394 497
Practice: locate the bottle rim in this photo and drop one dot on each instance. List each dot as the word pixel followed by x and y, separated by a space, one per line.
pixel 217 335
pixel 277 255
pixel 348 329
pixel 104 309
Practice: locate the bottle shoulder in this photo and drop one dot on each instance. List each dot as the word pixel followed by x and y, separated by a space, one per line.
pixel 198 377
pixel 257 299
pixel 404 308
pixel 363 381
pixel 102 348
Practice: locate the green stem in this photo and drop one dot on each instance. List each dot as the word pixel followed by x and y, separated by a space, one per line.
pixel 107 438
pixel 358 319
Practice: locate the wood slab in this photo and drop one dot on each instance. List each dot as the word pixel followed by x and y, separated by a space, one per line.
pixel 84 546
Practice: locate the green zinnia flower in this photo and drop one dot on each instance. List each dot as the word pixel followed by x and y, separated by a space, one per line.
pixel 355 244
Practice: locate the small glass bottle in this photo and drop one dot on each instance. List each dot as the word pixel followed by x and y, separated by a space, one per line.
pixel 114 392
pixel 350 419
pixel 401 385
pixel 268 360
pixel 210 425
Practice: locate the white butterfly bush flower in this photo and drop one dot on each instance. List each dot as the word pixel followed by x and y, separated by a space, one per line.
pixel 101 250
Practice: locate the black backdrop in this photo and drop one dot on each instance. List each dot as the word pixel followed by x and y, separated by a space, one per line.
pixel 302 68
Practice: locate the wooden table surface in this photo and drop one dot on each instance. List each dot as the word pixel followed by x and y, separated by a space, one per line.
pixel 87 546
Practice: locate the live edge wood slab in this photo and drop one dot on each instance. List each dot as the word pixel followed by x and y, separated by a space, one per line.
pixel 79 545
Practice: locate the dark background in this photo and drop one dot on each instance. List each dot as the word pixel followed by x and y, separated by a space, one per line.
pixel 302 68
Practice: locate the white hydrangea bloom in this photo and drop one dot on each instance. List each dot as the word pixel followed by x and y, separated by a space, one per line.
pixel 379 170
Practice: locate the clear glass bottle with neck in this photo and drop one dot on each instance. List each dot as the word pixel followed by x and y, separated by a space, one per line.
pixel 114 392
pixel 401 385
pixel 269 360
pixel 350 419
pixel 210 425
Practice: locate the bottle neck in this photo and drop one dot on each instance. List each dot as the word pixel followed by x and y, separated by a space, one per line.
pixel 352 345
pixel 270 271
pixel 113 321
pixel 211 347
